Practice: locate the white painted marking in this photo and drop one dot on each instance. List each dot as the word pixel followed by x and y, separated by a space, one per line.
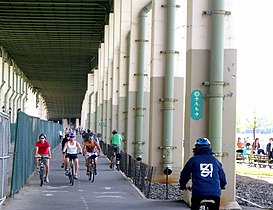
pixel 109 196
pixel 54 191
pixel 56 188
pixel 109 192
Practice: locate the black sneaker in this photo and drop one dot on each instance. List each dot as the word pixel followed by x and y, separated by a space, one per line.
pixel 111 166
pixel 62 166
pixel 95 171
pixel 87 173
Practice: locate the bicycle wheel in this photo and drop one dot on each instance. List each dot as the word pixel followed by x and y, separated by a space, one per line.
pixel 118 166
pixel 92 172
pixel 42 172
pixel 72 174
pixel 113 163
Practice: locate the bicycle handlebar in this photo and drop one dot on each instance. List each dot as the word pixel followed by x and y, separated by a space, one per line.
pixel 189 188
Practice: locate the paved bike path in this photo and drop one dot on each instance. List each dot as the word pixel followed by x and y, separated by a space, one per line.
pixel 111 190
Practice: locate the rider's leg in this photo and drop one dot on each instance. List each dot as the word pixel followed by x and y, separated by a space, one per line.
pixel 95 162
pixel 95 165
pixel 76 165
pixel 66 160
pixel 88 164
pixel 63 157
pixel 47 167
pixel 36 162
pixel 195 202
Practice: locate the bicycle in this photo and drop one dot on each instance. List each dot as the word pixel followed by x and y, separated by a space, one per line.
pixel 41 161
pixel 71 171
pixel 115 158
pixel 92 167
pixel 205 204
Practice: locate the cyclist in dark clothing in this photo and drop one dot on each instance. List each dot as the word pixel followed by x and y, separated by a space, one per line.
pixel 65 139
pixel 207 174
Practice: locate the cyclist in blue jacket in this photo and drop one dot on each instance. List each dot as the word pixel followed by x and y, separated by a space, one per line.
pixel 207 174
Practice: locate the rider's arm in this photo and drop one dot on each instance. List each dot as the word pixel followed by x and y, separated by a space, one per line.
pixel 98 147
pixel 79 147
pixel 65 146
pixel 49 152
pixel 185 175
pixel 84 149
pixel 222 177
pixel 36 150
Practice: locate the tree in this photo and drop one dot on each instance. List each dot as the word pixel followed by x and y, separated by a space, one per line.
pixel 255 123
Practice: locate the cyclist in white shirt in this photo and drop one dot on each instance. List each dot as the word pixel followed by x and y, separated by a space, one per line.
pixel 71 148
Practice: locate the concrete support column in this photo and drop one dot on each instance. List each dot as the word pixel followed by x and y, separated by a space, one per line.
pixel 115 80
pixel 84 112
pixel 31 108
pixel 94 111
pixel 105 83
pixel 20 91
pixel 13 90
pixel 160 68
pixel 65 123
pixel 3 59
pixel 197 88
pixel 4 84
pixel 132 88
pixel 16 95
pixel 8 91
pixel 77 123
pixel 90 91
pixel 23 94
pixel 100 90
pixel 125 21
pixel 110 76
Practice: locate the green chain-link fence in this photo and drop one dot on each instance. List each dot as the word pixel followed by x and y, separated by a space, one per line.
pixel 27 132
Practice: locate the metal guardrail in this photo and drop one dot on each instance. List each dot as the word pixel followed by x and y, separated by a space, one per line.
pixel 139 173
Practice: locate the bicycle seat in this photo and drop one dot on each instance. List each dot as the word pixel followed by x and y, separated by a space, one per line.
pixel 207 201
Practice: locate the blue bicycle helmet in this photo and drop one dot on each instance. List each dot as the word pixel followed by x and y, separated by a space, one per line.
pixel 202 142
pixel 72 135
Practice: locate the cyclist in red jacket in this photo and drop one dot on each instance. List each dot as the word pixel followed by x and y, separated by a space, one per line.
pixel 42 149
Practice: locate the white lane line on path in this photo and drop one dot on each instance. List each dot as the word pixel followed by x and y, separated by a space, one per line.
pixel 84 203
pixel 55 191
pixel 109 193
pixel 109 196
pixel 48 194
pixel 55 188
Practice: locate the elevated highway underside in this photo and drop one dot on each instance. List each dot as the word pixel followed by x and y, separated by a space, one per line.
pixel 55 45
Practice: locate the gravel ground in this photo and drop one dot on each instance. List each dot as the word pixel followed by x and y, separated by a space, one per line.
pixel 252 192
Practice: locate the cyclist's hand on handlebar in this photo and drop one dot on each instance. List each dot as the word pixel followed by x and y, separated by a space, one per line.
pixel 185 188
pixel 182 187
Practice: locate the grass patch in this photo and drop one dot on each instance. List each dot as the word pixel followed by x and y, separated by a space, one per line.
pixel 254 171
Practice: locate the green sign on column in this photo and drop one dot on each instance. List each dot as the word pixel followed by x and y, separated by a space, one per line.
pixel 196 104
